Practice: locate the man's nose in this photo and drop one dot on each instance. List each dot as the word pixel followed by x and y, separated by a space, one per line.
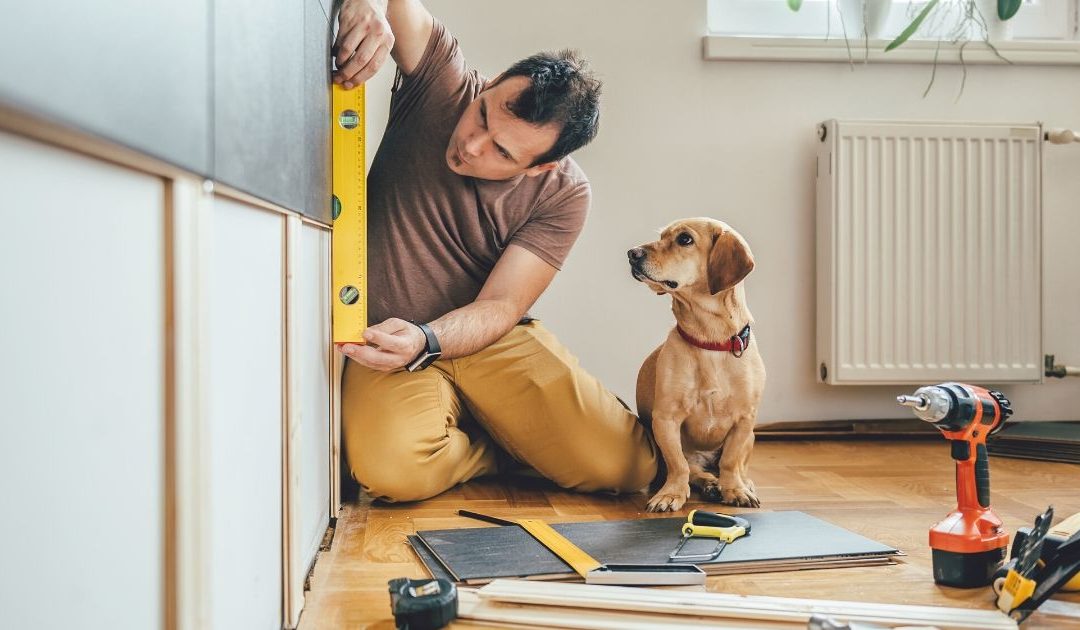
pixel 474 145
pixel 636 254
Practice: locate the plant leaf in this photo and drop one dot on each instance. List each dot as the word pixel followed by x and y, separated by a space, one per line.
pixel 1008 8
pixel 794 5
pixel 914 26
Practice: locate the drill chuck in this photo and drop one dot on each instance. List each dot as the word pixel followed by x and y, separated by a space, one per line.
pixel 931 403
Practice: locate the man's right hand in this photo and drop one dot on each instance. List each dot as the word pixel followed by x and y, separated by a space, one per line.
pixel 364 41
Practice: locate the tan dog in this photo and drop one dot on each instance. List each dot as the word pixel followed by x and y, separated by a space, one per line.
pixel 701 388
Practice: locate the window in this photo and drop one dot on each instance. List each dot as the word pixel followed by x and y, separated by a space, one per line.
pixel 1036 19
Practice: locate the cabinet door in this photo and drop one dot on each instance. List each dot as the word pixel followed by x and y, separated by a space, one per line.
pixel 308 339
pixel 82 303
pixel 245 329
pixel 313 349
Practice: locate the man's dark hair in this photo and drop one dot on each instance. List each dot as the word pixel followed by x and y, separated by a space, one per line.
pixel 563 90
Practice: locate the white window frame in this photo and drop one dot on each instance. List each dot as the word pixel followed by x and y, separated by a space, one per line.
pixel 1036 20
pixel 1044 32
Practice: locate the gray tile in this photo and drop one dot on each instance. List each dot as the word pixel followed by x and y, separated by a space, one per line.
pixel 132 71
pixel 259 98
pixel 317 155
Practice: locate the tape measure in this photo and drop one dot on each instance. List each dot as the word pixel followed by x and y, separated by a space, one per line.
pixel 422 604
pixel 349 213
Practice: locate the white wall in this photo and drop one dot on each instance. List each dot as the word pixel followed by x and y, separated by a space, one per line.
pixel 684 137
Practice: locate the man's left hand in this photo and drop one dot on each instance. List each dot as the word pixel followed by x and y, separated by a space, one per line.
pixel 390 345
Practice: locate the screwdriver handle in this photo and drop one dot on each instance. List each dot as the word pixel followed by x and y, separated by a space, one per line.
pixel 713 519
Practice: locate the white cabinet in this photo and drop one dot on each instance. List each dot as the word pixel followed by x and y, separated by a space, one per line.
pixel 245 362
pixel 82 391
pixel 165 394
pixel 309 417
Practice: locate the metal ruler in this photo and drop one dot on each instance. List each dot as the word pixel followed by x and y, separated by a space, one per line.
pixel 349 212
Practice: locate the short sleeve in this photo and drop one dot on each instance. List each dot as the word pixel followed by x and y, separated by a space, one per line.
pixel 437 78
pixel 554 226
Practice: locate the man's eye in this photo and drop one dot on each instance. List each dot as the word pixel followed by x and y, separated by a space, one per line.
pixel 684 239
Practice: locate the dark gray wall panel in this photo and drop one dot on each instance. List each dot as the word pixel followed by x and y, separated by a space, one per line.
pixel 317 164
pixel 258 98
pixel 133 71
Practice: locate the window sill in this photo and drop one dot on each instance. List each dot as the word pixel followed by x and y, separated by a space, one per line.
pixel 1019 52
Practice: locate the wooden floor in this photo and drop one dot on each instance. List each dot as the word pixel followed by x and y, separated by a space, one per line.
pixel 890 491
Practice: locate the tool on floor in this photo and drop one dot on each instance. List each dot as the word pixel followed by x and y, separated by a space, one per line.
pixel 1055 537
pixel 1044 561
pixel 593 571
pixel 422 604
pixel 701 524
pixel 349 213
pixel 968 546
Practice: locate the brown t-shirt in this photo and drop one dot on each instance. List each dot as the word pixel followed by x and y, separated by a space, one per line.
pixel 434 235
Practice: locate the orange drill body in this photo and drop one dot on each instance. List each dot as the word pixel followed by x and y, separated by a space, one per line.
pixel 970 543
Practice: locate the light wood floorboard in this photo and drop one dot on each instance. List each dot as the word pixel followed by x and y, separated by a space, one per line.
pixel 890 491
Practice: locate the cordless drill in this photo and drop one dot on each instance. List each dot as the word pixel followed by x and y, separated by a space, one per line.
pixel 969 544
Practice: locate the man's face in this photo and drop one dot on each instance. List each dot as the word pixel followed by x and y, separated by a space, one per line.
pixel 489 142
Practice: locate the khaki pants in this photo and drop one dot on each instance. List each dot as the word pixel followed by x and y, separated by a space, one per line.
pixel 409 436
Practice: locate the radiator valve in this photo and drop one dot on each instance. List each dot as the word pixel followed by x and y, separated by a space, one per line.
pixel 1059 371
pixel 1061 136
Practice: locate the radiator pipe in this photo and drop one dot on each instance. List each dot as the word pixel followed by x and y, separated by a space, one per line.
pixel 1059 371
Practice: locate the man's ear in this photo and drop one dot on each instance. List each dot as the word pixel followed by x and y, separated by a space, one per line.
pixel 730 261
pixel 539 169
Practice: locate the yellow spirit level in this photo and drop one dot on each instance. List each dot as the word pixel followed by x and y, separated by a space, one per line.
pixel 349 213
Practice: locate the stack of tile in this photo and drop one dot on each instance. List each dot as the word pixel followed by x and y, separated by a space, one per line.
pixel 1046 441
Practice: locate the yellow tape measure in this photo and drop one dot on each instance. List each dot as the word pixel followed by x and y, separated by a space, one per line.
pixel 349 212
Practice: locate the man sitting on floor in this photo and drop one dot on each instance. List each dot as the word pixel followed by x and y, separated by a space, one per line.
pixel 474 205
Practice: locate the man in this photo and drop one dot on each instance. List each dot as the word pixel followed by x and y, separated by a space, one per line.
pixel 473 207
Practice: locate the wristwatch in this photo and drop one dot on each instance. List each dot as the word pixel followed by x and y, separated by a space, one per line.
pixel 432 350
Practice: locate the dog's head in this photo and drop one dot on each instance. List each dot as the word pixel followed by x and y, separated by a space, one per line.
pixel 693 255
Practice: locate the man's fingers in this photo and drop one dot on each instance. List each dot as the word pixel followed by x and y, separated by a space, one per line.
pixel 364 52
pixel 347 43
pixel 371 357
pixel 386 342
pixel 373 66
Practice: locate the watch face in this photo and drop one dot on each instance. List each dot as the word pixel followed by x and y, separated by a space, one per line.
pixel 423 361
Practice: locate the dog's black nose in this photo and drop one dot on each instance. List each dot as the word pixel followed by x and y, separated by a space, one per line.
pixel 636 254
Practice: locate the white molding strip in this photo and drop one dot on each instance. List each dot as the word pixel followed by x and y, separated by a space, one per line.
pixel 1027 52
pixel 587 600
pixel 189 205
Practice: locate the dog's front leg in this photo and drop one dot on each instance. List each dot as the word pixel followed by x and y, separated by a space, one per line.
pixel 667 430
pixel 736 488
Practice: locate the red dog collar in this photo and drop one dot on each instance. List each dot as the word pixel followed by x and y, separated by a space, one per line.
pixel 736 345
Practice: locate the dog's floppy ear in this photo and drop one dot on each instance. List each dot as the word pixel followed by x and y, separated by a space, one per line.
pixel 730 261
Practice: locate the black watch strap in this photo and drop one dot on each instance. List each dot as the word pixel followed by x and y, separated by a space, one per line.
pixel 431 351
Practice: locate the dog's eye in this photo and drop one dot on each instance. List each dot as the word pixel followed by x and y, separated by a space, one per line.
pixel 684 239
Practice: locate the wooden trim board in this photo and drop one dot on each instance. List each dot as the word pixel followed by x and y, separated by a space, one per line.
pixel 585 599
pixel 293 572
pixel 189 216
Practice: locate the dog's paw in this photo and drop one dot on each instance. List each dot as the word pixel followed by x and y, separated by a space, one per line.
pixel 669 499
pixel 711 492
pixel 740 496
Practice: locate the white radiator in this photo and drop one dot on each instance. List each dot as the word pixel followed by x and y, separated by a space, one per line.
pixel 929 260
